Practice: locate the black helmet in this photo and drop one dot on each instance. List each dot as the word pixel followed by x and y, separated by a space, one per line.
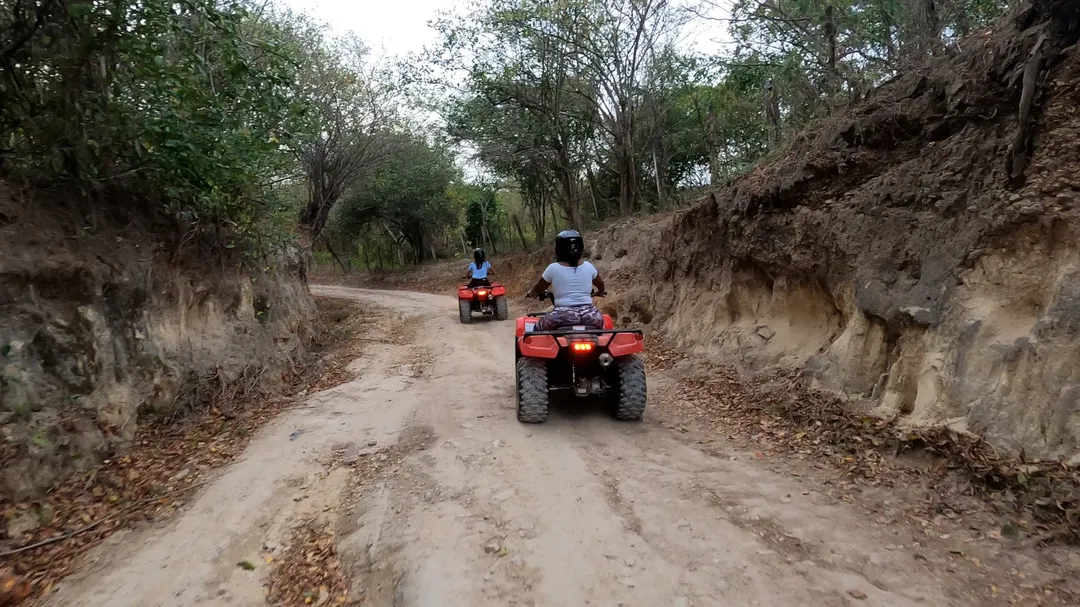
pixel 478 256
pixel 569 246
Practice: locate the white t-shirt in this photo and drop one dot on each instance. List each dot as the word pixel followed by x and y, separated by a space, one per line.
pixel 571 286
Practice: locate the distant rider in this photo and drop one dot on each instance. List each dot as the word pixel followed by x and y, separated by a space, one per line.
pixel 571 280
pixel 479 268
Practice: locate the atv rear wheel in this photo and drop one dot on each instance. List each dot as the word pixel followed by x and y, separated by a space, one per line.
pixel 502 311
pixel 628 399
pixel 532 390
pixel 464 309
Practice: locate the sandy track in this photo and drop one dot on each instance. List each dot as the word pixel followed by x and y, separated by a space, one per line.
pixel 483 510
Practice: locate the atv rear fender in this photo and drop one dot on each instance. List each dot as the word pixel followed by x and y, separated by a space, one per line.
pixel 469 293
pixel 538 346
pixel 547 344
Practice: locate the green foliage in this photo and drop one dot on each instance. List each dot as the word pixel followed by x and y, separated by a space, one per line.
pixel 708 132
pixel 182 106
pixel 225 114
pixel 408 197
pixel 552 90
pixel 579 106
pixel 819 53
pixel 484 217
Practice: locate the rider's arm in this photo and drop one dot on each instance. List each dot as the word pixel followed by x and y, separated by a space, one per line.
pixel 540 286
pixel 599 284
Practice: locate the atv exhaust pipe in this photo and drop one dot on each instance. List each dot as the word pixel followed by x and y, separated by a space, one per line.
pixel 606 360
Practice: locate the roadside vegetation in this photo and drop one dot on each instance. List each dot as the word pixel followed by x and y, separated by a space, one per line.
pixel 250 126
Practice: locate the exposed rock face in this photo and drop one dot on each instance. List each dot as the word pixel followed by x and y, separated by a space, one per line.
pixel 98 328
pixel 892 253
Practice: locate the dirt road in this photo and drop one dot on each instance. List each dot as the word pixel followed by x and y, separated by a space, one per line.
pixel 474 508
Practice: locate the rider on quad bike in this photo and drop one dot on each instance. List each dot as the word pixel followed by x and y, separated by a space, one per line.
pixel 570 280
pixel 478 270
pixel 574 347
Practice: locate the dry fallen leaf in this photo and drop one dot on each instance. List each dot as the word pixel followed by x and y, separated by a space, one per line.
pixel 13 589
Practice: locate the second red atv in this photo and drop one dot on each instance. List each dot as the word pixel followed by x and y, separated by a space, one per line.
pixel 489 300
pixel 589 362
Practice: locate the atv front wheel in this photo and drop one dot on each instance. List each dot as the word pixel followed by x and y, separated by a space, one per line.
pixel 532 390
pixel 629 398
pixel 501 309
pixel 464 310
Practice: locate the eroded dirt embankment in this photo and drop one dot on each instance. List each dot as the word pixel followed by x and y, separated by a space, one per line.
pixel 917 254
pixel 102 323
pixel 902 254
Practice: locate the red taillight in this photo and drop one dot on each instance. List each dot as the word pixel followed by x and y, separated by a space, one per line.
pixel 581 346
pixel 482 293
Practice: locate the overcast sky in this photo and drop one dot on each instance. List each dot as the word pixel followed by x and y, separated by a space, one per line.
pixel 400 26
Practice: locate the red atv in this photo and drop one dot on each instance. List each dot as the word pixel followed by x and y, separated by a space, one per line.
pixel 590 362
pixel 488 300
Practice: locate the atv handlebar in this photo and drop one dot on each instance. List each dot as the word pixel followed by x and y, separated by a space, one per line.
pixel 548 295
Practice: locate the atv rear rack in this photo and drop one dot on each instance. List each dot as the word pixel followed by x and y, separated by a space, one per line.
pixel 585 332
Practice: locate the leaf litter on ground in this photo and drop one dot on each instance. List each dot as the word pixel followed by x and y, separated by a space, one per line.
pixel 778 410
pixel 777 416
pixel 309 571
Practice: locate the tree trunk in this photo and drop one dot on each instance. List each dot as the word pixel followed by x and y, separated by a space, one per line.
pixel 554 219
pixel 592 195
pixel 660 171
pixel 929 34
pixel 570 202
pixel 624 162
pixel 323 192
pixel 539 215
pixel 887 25
pixel 344 268
pixel 772 111
pixel 520 232
pixel 487 238
pixel 714 147
pixel 963 22
pixel 568 183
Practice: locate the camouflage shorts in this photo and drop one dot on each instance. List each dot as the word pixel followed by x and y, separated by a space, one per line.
pixel 558 318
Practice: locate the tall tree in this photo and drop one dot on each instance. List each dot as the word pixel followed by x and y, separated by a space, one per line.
pixel 350 104
pixel 560 73
pixel 408 196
